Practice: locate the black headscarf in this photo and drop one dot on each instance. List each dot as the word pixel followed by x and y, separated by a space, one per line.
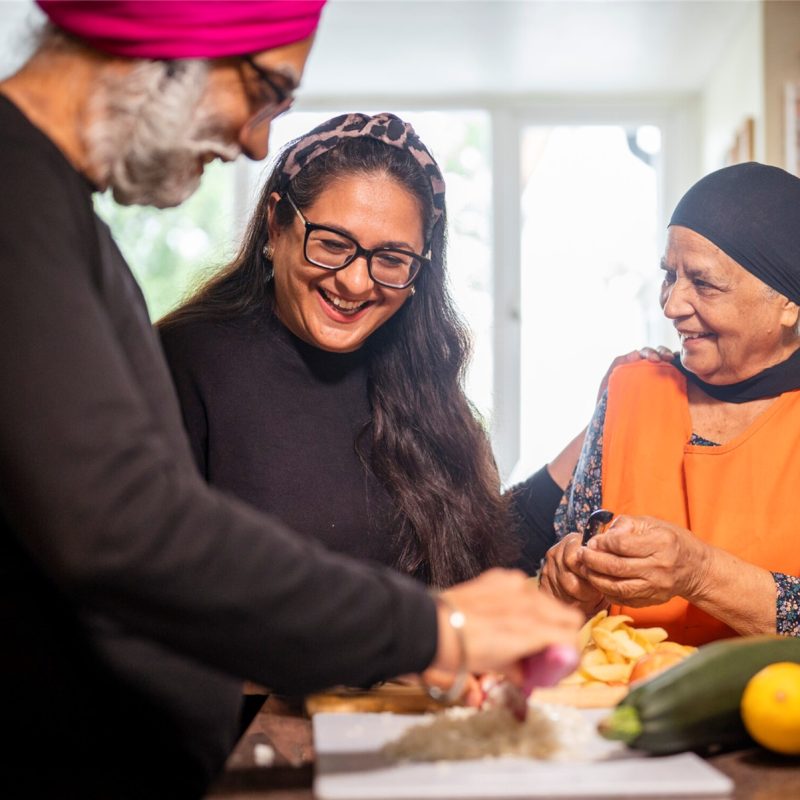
pixel 752 213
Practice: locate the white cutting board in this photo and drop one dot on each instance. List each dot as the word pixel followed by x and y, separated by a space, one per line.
pixel 349 766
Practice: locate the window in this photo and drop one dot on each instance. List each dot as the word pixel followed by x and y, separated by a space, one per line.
pixel 554 268
pixel 171 250
pixel 589 254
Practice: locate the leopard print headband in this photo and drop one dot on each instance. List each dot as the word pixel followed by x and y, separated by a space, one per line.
pixel 385 128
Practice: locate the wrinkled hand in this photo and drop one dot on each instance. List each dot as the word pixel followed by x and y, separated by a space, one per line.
pixel 507 618
pixel 655 354
pixel 563 576
pixel 643 561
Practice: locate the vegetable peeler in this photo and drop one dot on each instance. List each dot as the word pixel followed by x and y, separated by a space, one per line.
pixel 598 522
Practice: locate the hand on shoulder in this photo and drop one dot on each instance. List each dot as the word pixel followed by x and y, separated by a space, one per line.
pixel 653 354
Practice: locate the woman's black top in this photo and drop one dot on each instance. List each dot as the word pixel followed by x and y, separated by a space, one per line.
pixel 276 421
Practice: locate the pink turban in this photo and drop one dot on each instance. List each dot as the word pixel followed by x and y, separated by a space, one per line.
pixel 185 28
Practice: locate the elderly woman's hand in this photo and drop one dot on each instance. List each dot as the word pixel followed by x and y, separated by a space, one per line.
pixel 563 576
pixel 654 354
pixel 642 561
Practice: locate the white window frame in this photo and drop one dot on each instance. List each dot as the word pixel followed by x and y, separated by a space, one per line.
pixel 678 119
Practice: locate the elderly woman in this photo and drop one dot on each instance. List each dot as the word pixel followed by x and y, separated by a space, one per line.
pixel 320 373
pixel 708 448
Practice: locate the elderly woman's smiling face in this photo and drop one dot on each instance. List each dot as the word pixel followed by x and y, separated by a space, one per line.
pixel 731 325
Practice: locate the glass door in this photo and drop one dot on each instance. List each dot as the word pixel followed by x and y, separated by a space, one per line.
pixel 589 270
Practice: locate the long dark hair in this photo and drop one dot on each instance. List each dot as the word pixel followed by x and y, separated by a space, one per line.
pixel 425 443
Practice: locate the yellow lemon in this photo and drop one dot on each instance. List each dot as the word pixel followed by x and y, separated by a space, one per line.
pixel 770 707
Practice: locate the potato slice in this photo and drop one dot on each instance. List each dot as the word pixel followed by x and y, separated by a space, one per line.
pixel 615 658
pixel 593 656
pixel 643 642
pixel 605 640
pixel 654 635
pixel 627 647
pixel 585 633
pixel 614 622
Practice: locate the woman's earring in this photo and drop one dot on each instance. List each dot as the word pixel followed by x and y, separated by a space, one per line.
pixel 269 251
pixel 413 291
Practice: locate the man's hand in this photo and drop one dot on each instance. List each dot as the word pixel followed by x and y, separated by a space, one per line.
pixel 507 618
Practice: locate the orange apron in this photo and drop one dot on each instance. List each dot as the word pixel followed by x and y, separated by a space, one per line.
pixel 740 497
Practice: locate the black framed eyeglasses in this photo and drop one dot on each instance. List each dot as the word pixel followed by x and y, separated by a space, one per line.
pixel 274 99
pixel 331 249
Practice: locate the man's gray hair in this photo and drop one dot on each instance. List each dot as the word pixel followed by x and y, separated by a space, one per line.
pixel 147 130
pixel 141 137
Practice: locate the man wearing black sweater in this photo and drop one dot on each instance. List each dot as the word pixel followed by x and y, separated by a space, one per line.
pixel 134 598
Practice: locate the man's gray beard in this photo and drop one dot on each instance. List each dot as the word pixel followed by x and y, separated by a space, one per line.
pixel 150 132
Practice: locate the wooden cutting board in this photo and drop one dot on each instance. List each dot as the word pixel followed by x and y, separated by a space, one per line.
pixel 402 699
pixel 395 697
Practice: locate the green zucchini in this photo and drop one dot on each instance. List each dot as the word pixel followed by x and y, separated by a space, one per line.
pixel 695 704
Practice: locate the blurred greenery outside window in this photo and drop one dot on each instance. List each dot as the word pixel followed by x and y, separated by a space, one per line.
pixel 171 251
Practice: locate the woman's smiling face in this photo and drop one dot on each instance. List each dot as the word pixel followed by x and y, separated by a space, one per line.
pixel 731 325
pixel 338 310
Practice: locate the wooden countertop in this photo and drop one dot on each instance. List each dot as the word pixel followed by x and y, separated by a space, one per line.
pixel 758 775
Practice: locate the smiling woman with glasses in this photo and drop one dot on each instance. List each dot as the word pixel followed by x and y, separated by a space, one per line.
pixel 321 372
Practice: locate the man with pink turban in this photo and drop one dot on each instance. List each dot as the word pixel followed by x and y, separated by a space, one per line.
pixel 134 598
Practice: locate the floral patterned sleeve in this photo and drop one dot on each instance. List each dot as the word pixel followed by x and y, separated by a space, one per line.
pixel 788 604
pixel 585 490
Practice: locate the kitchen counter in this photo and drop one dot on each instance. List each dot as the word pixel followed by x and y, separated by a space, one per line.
pixel 282 728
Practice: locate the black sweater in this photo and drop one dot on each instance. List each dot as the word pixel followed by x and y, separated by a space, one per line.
pixel 134 597
pixel 275 421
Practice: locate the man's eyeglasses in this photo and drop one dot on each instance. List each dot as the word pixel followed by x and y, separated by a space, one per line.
pixel 273 98
pixel 331 249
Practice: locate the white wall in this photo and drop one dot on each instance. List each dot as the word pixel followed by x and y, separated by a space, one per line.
pixel 19 19
pixel 781 66
pixel 735 91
